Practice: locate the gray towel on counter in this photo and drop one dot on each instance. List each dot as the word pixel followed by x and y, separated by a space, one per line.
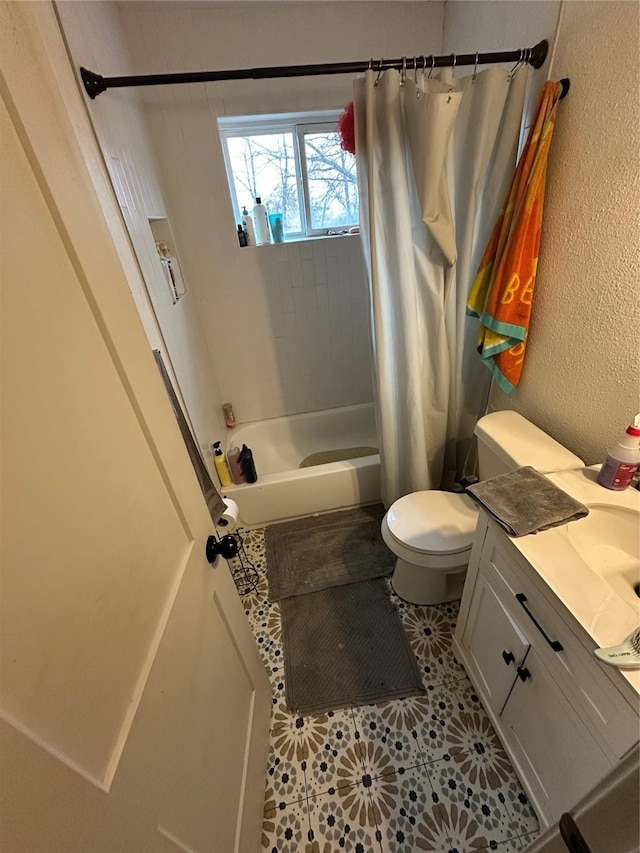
pixel 525 501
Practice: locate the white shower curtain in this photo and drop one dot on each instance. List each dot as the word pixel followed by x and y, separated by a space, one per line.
pixel 435 158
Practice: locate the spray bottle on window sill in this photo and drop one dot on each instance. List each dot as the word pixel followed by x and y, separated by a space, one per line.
pixel 247 224
pixel 248 465
pixel 263 231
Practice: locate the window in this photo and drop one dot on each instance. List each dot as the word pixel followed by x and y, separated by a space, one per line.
pixel 294 162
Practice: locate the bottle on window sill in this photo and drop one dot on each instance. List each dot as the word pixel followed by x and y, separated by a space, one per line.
pixel 247 224
pixel 242 236
pixel 263 232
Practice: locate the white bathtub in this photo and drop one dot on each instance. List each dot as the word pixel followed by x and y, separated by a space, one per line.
pixel 279 445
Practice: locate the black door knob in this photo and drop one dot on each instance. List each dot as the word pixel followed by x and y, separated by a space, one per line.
pixel 508 657
pixel 227 547
pixel 523 673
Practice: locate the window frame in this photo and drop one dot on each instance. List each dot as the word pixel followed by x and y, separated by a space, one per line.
pixel 297 124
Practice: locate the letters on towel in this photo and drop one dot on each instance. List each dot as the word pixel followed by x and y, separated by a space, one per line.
pixel 502 290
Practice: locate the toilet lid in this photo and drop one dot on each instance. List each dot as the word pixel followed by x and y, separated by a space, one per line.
pixel 433 521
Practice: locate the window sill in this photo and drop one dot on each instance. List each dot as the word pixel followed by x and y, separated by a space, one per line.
pixel 296 240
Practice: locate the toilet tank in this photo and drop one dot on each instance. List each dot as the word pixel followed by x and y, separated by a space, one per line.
pixel 507 441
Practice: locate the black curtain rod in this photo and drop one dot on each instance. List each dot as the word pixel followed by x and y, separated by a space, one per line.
pixel 96 83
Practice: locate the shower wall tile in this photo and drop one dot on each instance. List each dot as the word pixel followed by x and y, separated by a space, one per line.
pixel 287 325
pixel 267 353
pixel 313 332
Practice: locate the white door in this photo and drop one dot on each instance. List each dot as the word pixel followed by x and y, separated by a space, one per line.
pixel 134 707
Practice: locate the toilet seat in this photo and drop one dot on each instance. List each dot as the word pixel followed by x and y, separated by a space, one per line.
pixel 433 522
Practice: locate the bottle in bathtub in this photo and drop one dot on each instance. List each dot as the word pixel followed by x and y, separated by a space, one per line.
pixel 235 466
pixel 222 467
pixel 248 465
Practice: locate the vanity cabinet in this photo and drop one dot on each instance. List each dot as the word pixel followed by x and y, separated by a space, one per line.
pixel 563 717
pixel 495 644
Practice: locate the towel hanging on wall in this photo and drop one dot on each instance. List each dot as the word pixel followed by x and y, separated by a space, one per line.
pixel 502 291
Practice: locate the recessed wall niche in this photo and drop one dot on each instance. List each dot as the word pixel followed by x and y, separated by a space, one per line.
pixel 168 256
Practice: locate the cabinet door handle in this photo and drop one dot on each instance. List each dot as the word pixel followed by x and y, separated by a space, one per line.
pixel 523 673
pixel 555 644
pixel 508 657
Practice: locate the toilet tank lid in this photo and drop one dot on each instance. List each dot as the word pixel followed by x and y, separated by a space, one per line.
pixel 518 442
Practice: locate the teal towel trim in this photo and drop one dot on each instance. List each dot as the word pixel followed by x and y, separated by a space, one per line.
pixel 471 313
pixel 510 330
pixel 507 386
pixel 491 351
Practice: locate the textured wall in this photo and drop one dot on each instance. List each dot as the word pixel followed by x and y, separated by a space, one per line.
pixel 581 380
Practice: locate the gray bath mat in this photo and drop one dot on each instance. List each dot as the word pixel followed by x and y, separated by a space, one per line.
pixel 345 647
pixel 340 455
pixel 323 551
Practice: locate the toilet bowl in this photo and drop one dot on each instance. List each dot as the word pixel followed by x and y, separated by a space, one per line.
pixel 430 533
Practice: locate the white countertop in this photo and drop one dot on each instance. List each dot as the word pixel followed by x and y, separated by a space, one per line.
pixel 604 614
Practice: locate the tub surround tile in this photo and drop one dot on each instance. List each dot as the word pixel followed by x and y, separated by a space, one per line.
pixel 423 773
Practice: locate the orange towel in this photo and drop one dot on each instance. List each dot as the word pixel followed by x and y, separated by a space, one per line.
pixel 502 290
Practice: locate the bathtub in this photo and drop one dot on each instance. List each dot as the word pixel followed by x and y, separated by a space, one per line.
pixel 279 445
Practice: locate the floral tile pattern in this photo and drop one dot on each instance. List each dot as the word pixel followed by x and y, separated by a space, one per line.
pixel 332 828
pixel 389 734
pixel 337 761
pixel 285 829
pixel 436 730
pixel 426 773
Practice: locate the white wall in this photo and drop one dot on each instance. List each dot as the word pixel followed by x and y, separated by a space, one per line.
pixel 287 326
pixel 581 378
pixel 93 35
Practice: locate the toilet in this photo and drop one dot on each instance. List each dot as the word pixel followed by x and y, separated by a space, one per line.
pixel 431 532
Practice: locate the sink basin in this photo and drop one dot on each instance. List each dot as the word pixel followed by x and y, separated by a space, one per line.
pixel 608 541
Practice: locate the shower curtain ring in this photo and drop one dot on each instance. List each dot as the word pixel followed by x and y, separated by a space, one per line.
pixel 370 63
pixel 415 71
pixel 379 70
pixel 517 65
pixel 433 65
pixel 453 63
pixel 403 73
pixel 475 70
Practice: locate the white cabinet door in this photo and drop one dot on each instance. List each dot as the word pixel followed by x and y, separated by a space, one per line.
pixel 494 643
pixel 550 746
pixel 134 707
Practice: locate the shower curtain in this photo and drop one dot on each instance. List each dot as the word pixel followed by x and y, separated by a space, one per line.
pixel 435 159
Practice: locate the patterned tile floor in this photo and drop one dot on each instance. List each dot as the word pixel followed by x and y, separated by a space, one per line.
pixel 424 773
